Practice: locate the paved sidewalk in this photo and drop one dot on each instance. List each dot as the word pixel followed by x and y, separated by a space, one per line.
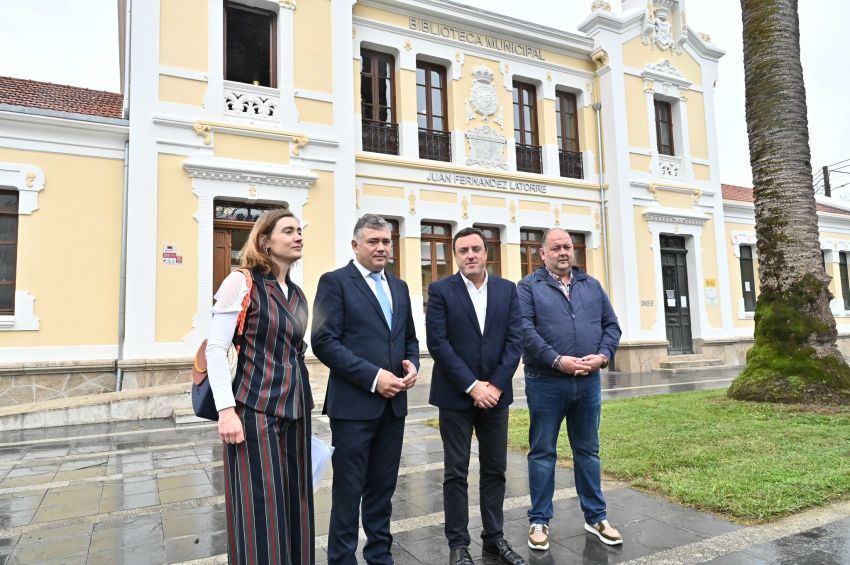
pixel 150 492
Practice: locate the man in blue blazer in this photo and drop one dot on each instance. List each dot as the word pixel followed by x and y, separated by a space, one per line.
pixel 363 332
pixel 474 333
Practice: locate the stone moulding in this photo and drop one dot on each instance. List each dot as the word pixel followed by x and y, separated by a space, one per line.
pixel 219 169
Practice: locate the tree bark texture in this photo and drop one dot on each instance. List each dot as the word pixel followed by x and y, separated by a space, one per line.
pixel 795 357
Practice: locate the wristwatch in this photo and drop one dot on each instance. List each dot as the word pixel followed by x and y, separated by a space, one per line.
pixel 604 361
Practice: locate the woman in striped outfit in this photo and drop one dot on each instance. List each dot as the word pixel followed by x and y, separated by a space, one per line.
pixel 264 414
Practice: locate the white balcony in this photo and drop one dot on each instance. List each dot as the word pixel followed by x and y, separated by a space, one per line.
pixel 251 102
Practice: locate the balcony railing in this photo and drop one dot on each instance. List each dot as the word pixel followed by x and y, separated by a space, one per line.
pixel 571 166
pixel 380 137
pixel 436 145
pixel 529 158
pixel 250 101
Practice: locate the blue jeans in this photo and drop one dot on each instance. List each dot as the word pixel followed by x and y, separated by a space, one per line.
pixel 550 401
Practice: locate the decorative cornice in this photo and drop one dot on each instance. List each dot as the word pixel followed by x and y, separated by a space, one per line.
pixel 289 4
pixel 600 5
pixel 241 171
pixel 674 217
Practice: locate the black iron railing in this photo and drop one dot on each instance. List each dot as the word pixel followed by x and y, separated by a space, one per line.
pixel 436 145
pixel 529 158
pixel 380 137
pixel 571 166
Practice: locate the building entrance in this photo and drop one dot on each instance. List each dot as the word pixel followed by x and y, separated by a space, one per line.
pixel 677 311
pixel 231 227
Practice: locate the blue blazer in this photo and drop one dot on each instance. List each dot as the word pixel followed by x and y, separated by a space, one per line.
pixel 351 337
pixel 461 353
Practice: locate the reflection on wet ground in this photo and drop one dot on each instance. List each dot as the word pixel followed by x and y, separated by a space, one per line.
pixel 151 492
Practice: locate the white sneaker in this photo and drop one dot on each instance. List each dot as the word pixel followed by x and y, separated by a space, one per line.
pixel 605 532
pixel 538 537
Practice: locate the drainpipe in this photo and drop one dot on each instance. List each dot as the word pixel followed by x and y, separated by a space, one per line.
pixel 598 108
pixel 122 281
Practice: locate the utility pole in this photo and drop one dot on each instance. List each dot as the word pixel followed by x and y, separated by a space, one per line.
pixel 826 187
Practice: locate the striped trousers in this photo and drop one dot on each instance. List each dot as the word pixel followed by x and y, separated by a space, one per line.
pixel 268 486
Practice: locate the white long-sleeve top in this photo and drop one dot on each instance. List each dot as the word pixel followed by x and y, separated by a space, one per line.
pixel 225 311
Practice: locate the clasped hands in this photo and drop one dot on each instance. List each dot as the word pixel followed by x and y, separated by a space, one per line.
pixel 485 395
pixel 389 385
pixel 580 366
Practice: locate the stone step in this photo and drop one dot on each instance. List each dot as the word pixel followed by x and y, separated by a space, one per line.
pixel 186 416
pixel 135 404
pixel 687 363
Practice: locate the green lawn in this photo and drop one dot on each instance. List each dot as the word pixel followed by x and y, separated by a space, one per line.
pixel 750 462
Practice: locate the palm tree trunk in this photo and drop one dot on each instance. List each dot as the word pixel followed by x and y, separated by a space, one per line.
pixel 794 358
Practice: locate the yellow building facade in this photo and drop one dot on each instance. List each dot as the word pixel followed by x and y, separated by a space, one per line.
pixel 432 114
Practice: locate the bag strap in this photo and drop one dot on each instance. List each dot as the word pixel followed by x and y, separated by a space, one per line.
pixel 240 323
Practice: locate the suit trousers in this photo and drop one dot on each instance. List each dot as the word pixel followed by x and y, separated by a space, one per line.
pixel 365 463
pixel 491 429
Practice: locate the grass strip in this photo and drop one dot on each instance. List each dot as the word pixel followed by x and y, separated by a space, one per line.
pixel 749 462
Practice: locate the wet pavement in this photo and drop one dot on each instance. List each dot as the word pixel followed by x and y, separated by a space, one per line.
pixel 151 492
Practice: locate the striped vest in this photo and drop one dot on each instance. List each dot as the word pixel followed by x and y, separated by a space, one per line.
pixel 271 376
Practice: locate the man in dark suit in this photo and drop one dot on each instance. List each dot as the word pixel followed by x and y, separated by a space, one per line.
pixel 474 333
pixel 363 332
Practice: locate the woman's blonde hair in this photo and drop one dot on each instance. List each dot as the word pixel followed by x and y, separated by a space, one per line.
pixel 254 255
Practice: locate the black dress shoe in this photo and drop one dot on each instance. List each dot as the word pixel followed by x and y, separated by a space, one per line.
pixel 503 550
pixel 460 557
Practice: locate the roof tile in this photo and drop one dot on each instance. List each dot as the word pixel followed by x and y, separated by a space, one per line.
pixel 60 98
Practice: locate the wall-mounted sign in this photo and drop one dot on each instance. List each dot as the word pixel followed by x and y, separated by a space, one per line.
pixel 484 182
pixel 170 256
pixel 482 40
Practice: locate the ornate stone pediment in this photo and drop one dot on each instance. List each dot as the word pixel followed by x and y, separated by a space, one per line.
pixel 665 67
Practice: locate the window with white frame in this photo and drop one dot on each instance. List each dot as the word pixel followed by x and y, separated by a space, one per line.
pixel 250 45
pixel 664 127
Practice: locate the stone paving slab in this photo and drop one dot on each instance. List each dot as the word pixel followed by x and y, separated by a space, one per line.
pixel 150 492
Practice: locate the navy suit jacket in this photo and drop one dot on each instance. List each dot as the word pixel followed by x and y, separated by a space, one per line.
pixel 351 337
pixel 461 353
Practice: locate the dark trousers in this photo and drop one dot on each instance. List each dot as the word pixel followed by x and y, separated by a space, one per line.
pixel 491 429
pixel 365 463
pixel 268 489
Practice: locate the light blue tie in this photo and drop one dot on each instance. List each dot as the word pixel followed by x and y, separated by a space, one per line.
pixel 383 299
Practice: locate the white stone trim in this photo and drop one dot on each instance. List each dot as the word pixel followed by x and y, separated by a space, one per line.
pixel 28 181
pixel 24 318
pixel 743 314
pixel 243 181
pixel 677 216
pixel 740 238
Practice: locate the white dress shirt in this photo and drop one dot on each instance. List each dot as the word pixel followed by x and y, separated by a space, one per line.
pixel 479 303
pixel 371 282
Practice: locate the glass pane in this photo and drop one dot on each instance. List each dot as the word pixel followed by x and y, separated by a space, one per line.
pixel 7 263
pixel 526 116
pixel 9 201
pixel 436 102
pixel 436 79
pixel 420 99
pixel 422 121
pixel 438 123
pixel 425 250
pixel 9 228
pixel 440 229
pixel 248 51
pixel 7 297
pixel 578 238
pixel 443 260
pixel 384 91
pixel 492 253
pixel 237 241
pixel 425 229
pixel 516 95
pixel 385 62
pixel 420 76
pixel 366 63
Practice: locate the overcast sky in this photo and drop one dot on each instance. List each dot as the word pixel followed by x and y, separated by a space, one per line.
pixel 76 43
